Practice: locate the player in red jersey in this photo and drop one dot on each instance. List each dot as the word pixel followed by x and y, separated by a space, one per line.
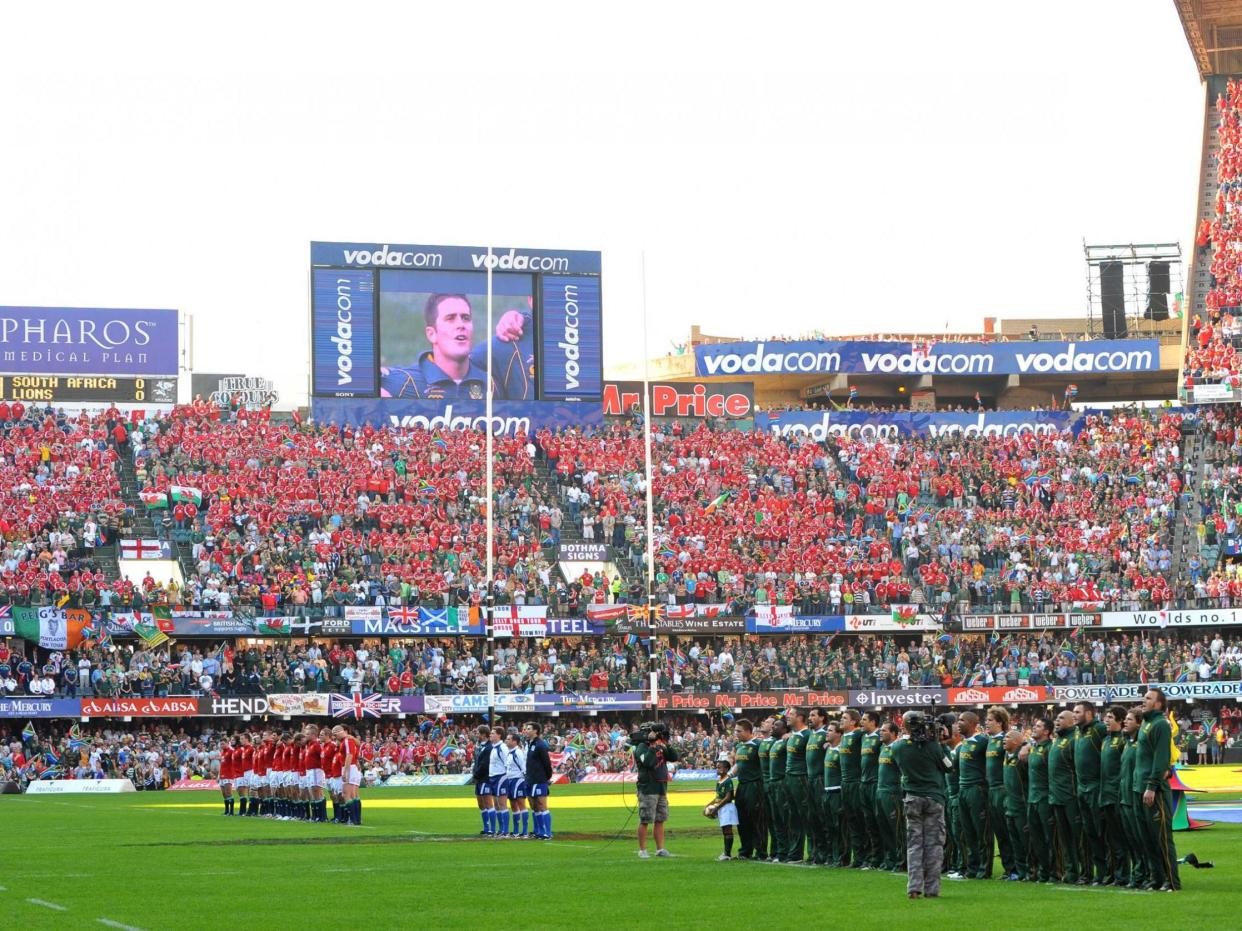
pixel 299 767
pixel 351 775
pixel 226 775
pixel 262 764
pixel 281 764
pixel 245 765
pixel 314 774
pixel 332 775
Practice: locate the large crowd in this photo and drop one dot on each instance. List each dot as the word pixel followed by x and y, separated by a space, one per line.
pixel 1212 352
pixel 560 665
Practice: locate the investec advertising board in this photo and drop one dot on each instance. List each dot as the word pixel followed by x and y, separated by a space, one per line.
pixel 399 333
pixel 805 357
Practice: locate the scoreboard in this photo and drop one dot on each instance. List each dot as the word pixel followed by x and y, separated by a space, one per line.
pixel 57 389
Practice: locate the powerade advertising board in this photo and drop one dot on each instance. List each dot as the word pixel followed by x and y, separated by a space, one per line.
pixel 409 323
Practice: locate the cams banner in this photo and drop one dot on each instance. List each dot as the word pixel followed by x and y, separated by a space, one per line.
pixel 821 424
pixel 476 704
pixel 807 357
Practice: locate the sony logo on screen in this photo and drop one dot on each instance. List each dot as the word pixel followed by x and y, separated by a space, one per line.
pixel 108 335
pixel 511 261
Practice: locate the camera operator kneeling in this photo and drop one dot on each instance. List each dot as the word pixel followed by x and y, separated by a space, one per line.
pixel 923 758
pixel 652 754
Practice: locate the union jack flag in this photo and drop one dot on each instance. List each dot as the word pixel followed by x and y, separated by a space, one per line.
pixel 403 615
pixel 356 705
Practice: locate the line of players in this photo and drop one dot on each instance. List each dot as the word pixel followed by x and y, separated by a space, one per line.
pixel 506 773
pixel 1078 801
pixel 284 775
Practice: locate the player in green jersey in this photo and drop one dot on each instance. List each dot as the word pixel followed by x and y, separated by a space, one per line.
pixel 1151 783
pixel 1063 800
pixel 816 745
pixel 954 862
pixel 1014 796
pixel 797 788
pixel 776 764
pixel 1128 801
pixel 888 801
pixel 835 835
pixel 869 755
pixel 996 724
pixel 1038 806
pixel 768 843
pixel 851 787
pixel 751 805
pixel 1110 798
pixel 972 792
pixel 1088 740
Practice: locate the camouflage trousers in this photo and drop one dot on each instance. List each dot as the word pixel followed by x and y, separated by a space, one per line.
pixel 924 844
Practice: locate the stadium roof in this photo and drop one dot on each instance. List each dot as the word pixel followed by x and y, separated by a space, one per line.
pixel 1214 32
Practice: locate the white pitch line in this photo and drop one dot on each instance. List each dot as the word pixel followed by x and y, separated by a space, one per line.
pixel 51 905
pixel 116 924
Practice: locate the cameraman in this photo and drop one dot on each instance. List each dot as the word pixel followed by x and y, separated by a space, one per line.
pixel 652 754
pixel 923 759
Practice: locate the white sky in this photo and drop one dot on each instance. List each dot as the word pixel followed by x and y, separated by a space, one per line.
pixel 785 167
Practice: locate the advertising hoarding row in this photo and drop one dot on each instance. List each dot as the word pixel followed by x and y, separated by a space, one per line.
pixel 805 357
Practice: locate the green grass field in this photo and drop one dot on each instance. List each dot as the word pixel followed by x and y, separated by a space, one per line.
pixel 172 861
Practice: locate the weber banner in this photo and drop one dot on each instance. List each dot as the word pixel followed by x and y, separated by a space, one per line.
pixel 1151 620
pixel 806 357
pixel 698 400
pixel 821 424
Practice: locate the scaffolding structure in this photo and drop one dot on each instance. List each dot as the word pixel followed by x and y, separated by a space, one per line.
pixel 1145 314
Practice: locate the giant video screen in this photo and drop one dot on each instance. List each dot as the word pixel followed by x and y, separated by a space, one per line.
pixel 410 322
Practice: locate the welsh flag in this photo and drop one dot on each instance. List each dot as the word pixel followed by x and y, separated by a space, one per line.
pixel 185 494
pixel 905 614
pixel 51 628
pixel 273 626
pixel 153 500
pixel 1087 597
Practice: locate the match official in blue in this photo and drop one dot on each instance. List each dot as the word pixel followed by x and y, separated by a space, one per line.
pixel 486 758
pixel 538 775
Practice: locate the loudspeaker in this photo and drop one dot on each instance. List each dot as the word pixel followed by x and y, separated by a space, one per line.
pixel 1158 277
pixel 1113 300
pixel 1157 307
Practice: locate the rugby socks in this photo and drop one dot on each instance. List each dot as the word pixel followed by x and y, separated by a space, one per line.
pixel 489 821
pixel 547 824
pixel 357 811
pixel 728 842
pixel 504 821
pixel 525 821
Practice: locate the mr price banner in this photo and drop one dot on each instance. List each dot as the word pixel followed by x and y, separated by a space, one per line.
pixel 807 357
pixel 732 399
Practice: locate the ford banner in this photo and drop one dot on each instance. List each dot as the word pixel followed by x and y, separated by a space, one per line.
pixel 807 357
